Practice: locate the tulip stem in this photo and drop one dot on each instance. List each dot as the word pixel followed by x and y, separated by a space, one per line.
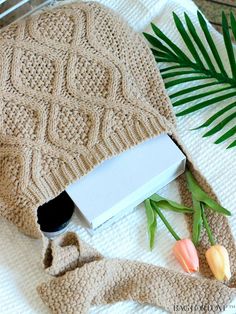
pixel 166 223
pixel 207 227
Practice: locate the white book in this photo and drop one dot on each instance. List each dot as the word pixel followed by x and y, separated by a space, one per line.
pixel 122 182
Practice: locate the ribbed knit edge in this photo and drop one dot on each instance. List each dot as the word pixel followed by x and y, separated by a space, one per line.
pixel 43 190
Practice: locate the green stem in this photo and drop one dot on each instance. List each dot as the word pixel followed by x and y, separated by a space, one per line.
pixel 207 227
pixel 166 223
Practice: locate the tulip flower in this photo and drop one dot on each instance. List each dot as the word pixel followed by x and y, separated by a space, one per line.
pixel 184 249
pixel 218 260
pixel 186 253
pixel 217 256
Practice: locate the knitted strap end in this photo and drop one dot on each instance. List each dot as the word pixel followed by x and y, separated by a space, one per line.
pixel 104 281
pixel 66 253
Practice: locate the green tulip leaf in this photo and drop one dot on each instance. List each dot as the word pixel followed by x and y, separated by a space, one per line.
pixel 206 226
pixel 197 222
pixel 151 222
pixel 201 196
pixel 164 220
pixel 165 203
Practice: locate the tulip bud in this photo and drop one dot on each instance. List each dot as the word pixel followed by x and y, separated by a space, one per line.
pixel 218 260
pixel 186 253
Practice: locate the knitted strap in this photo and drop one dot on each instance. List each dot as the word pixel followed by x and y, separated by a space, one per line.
pixel 218 223
pixel 105 281
pixel 66 253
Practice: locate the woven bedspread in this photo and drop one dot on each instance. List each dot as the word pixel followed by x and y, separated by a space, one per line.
pixel 20 261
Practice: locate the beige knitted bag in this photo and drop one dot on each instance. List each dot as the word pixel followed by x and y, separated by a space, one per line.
pixel 78 86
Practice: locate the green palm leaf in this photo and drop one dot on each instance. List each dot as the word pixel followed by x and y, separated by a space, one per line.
pixel 233 144
pixel 188 41
pixel 206 103
pixel 203 64
pixel 228 44
pixel 226 135
pixel 192 89
pixel 217 115
pixel 211 43
pixel 220 125
pixel 197 96
pixel 199 43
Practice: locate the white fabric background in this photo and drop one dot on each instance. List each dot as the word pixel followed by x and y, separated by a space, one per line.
pixel 20 268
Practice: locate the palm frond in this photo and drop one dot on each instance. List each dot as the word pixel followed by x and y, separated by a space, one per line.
pixel 202 64
pixel 226 135
pixel 220 125
pixel 211 43
pixel 217 115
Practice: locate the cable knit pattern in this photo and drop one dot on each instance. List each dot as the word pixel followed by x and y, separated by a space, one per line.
pixel 77 86
pixel 106 281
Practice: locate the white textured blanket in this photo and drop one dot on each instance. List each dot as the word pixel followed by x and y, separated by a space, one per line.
pixel 20 268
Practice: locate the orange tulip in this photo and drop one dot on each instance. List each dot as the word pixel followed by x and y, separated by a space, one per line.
pixel 186 253
pixel 218 260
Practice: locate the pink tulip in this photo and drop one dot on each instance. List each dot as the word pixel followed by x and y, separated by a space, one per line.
pixel 186 253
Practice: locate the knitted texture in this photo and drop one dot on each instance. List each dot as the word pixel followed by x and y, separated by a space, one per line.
pixel 77 86
pixel 106 281
pixel 218 223
pixel 66 253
